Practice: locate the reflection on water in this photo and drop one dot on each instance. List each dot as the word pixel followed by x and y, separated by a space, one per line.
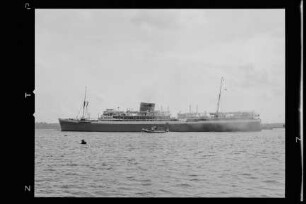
pixel 160 165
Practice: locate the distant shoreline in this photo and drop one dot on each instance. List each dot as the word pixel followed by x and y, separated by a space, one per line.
pixel 272 125
pixel 44 125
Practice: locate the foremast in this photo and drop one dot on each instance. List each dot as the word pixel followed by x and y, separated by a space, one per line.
pixel 85 104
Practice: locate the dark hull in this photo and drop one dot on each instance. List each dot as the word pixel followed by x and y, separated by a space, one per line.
pixel 173 126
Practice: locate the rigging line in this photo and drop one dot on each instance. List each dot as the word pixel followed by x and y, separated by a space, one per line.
pixel 79 111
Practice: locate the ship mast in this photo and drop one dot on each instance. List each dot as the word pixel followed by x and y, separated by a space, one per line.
pixel 218 105
pixel 84 103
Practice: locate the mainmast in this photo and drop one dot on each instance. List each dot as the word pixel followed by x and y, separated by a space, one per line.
pixel 218 105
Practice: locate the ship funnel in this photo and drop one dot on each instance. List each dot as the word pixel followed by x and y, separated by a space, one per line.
pixel 147 106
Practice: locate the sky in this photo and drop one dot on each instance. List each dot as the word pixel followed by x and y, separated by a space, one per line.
pixel 174 58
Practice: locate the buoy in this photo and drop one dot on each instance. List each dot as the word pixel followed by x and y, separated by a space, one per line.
pixel 83 142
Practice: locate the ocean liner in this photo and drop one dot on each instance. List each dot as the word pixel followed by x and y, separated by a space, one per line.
pixel 147 117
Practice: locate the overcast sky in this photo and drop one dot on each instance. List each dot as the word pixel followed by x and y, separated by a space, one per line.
pixel 174 58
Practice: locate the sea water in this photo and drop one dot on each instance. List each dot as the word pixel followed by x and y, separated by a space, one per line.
pixel 200 164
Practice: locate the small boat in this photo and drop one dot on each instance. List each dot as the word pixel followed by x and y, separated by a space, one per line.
pixel 154 129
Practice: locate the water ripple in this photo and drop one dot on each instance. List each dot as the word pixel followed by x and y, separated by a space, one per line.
pixel 165 165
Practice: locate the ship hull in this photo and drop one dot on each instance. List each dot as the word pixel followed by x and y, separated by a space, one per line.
pixel 173 126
